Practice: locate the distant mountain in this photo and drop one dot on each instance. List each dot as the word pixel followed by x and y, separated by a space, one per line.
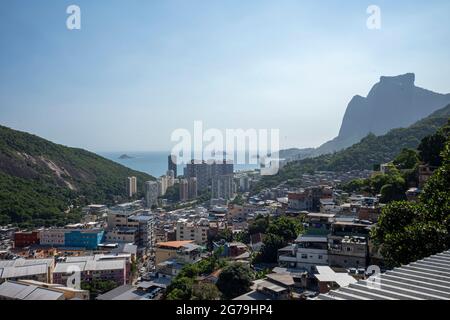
pixel 39 180
pixel 295 154
pixel 394 102
pixel 370 151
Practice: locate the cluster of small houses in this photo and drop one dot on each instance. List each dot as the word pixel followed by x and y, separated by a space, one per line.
pixel 334 251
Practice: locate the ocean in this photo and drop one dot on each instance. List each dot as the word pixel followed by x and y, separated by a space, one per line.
pixel 155 163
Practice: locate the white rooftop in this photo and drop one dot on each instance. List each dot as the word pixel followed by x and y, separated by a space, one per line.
pixel 326 274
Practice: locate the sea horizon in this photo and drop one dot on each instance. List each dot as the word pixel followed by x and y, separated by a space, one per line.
pixel 155 162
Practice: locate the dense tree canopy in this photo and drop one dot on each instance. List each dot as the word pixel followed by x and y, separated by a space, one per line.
pixel 278 233
pixel 411 231
pixel 407 159
pixel 40 180
pixel 205 291
pixel 235 280
pixel 184 285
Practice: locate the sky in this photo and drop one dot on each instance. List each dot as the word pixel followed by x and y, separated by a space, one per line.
pixel 137 70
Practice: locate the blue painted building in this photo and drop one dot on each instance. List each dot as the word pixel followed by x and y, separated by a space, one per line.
pixel 88 239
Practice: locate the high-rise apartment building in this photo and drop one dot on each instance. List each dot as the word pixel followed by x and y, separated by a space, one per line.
pixel 151 193
pixel 244 183
pixel 205 171
pixel 192 188
pixel 222 187
pixel 172 164
pixel 184 190
pixel 170 178
pixel 163 184
pixel 131 186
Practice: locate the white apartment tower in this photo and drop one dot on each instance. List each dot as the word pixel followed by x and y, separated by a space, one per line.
pixel 131 186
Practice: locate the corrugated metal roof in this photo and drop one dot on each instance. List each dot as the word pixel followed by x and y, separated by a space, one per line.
pixel 24 262
pixel 44 294
pixel 426 279
pixel 11 289
pixel 23 271
pixel 69 267
pixel 90 266
pixel 105 265
pixel 14 290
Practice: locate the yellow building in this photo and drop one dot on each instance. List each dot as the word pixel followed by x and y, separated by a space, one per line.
pixel 172 250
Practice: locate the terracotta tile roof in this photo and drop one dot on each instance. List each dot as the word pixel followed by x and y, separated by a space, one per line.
pixel 173 244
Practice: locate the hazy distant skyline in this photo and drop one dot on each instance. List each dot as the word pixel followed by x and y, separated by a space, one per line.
pixel 137 70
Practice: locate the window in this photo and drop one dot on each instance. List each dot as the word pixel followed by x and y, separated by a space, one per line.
pixel 320 257
pixel 304 256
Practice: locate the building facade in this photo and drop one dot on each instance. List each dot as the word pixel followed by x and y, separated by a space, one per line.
pixel 172 164
pixel 222 187
pixel 131 186
pixel 206 171
pixel 26 239
pixel 152 189
pixel 182 251
pixel 73 238
pixel 193 231
pixel 184 190
pixel 192 188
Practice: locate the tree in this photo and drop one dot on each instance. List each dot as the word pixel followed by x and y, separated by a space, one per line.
pixel 278 232
pixel 238 200
pixel 355 185
pixel 286 228
pixel 177 294
pixel 414 242
pixel 407 159
pixel 173 193
pixel 260 225
pixel 235 280
pixel 205 291
pixel 269 251
pixel 412 231
pixel 98 287
pixel 243 236
pixel 180 289
pixel 393 192
pixel 225 234
pixel 431 147
pixel 436 193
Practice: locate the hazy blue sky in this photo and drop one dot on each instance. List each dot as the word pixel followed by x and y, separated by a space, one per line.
pixel 139 69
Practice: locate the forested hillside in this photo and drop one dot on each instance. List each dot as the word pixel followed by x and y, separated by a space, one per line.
pixel 40 180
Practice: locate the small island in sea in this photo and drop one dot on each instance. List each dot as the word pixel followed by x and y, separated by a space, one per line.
pixel 125 156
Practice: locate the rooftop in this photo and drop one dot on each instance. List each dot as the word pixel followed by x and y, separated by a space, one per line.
pixel 20 291
pixel 16 272
pixel 326 274
pixel 173 244
pixel 426 279
pixel 311 238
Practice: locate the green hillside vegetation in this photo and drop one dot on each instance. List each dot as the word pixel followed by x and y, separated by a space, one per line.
pixel 402 174
pixel 368 153
pixel 408 231
pixel 403 171
pixel 40 180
